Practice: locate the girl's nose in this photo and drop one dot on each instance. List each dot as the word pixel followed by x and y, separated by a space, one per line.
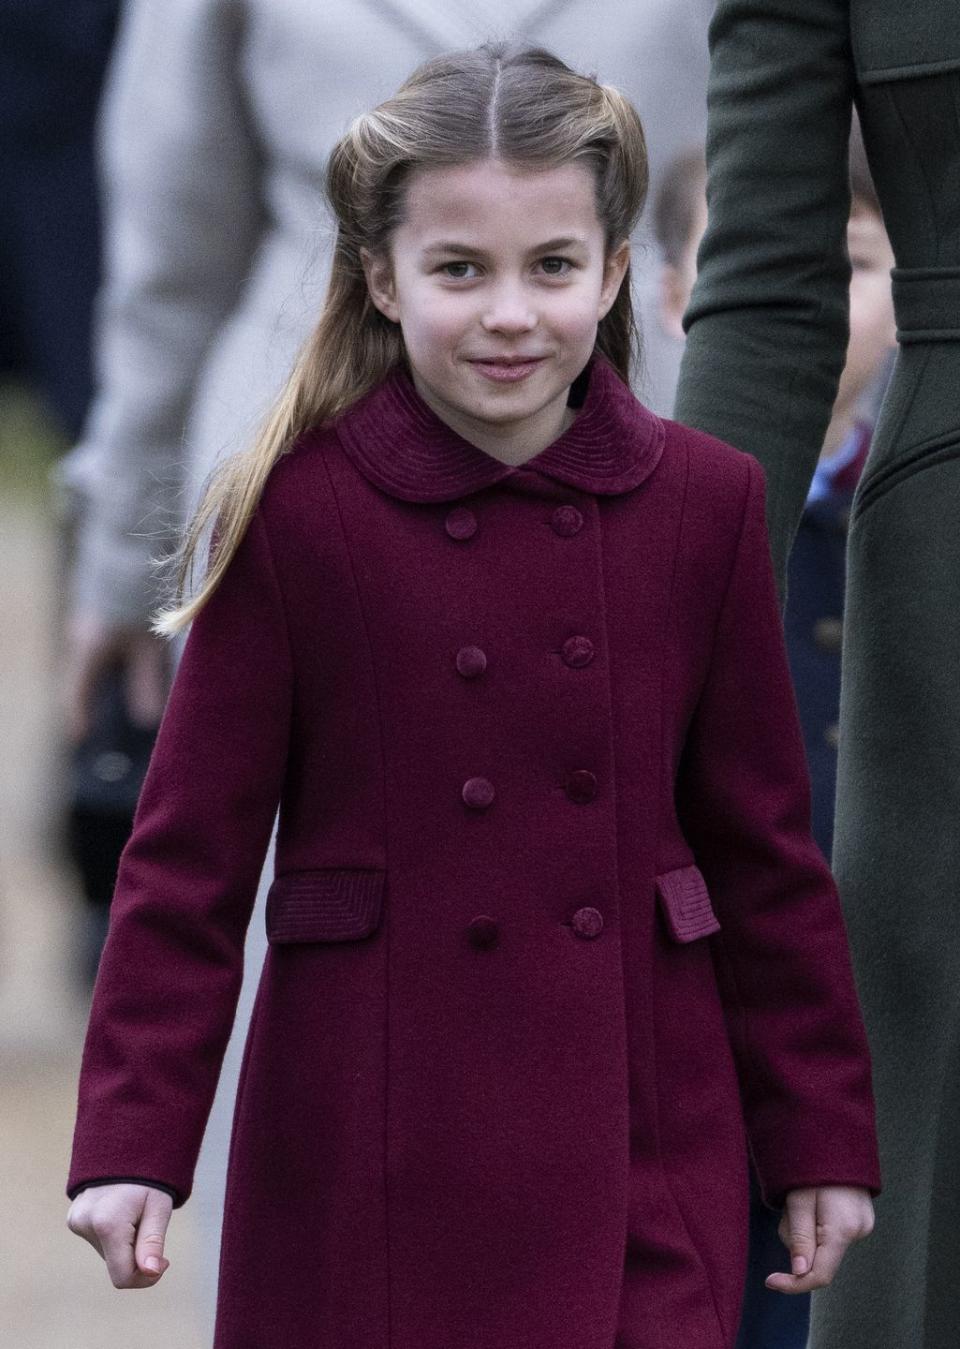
pixel 509 311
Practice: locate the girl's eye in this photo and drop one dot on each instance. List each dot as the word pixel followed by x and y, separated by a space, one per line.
pixel 457 271
pixel 468 271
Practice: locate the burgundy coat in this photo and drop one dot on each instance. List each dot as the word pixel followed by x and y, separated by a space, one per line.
pixel 546 904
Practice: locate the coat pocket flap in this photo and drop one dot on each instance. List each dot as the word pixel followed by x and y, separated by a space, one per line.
pixel 332 904
pixel 686 904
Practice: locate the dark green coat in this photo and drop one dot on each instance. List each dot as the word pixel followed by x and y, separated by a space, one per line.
pixel 767 339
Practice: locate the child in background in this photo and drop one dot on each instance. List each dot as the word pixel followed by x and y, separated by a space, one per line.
pixel 549 935
pixel 816 570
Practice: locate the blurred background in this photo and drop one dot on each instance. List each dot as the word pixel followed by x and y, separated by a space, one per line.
pixel 54 1291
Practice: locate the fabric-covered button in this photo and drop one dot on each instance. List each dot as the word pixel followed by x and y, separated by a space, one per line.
pixel 566 521
pixel 471 661
pixel 587 922
pixel 461 523
pixel 478 793
pixel 484 932
pixel 581 786
pixel 577 651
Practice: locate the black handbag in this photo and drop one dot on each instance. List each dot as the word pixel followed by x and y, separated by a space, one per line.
pixel 106 774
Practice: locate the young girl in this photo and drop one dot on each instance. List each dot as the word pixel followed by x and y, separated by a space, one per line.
pixel 550 942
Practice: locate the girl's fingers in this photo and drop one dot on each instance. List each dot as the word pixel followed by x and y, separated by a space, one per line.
pixel 826 1262
pixel 801 1222
pixel 151 1231
pixel 115 1233
pixel 844 1215
pixel 126 1225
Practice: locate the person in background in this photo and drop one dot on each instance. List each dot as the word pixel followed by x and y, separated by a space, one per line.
pixel 767 335
pixel 816 569
pixel 53 59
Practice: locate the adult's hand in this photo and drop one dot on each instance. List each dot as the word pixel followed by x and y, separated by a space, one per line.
pixel 93 646
pixel 126 1225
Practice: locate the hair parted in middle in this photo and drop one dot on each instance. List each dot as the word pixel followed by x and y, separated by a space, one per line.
pixel 517 104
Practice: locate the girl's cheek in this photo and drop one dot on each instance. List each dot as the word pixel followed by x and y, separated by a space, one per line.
pixel 448 310
pixel 574 303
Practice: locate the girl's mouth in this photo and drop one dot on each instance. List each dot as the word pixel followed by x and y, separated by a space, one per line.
pixel 507 371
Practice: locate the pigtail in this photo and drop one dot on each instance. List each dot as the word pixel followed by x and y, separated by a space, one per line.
pixel 622 191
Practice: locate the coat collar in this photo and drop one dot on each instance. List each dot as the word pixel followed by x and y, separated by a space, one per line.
pixel 404 448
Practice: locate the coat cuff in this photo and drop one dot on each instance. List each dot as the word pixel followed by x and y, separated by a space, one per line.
pixel 780 1175
pixel 74 1190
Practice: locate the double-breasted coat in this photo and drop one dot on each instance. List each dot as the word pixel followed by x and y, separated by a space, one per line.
pixel 549 937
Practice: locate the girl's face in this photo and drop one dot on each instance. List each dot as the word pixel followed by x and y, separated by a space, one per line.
pixel 498 278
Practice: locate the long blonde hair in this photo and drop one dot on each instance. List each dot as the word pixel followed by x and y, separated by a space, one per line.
pixel 517 104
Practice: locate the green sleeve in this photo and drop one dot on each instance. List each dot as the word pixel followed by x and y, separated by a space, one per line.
pixel 767 324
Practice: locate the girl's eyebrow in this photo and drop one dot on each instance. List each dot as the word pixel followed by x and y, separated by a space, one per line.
pixel 459 246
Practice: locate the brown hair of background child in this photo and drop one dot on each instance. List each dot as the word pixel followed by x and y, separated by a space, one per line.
pixel 519 105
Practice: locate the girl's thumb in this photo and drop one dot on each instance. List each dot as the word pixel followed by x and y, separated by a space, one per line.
pixel 801 1210
pixel 151 1231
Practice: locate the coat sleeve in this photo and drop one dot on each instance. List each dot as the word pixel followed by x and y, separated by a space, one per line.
pixel 781 956
pixel 767 323
pixel 182 214
pixel 169 979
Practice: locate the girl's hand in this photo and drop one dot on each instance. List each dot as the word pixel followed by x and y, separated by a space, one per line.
pixel 817 1226
pixel 126 1224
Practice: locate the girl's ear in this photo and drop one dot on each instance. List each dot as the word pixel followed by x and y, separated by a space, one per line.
pixel 614 270
pixel 378 271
